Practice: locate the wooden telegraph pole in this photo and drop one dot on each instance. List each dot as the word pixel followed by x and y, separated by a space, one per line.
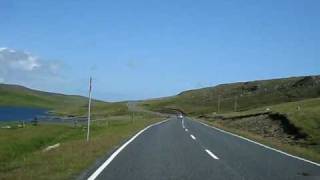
pixel 235 103
pixel 89 109
pixel 219 103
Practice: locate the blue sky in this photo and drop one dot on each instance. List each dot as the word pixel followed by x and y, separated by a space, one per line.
pixel 153 48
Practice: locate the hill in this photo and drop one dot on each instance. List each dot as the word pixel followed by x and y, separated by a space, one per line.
pixel 246 96
pixel 283 113
pixel 15 95
pixel 23 148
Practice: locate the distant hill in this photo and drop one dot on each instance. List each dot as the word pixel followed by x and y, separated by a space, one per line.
pixel 15 95
pixel 247 95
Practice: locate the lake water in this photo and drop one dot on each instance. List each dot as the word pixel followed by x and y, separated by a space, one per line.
pixel 20 113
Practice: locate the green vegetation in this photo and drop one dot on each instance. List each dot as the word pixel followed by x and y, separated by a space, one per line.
pixel 304 115
pixel 296 100
pixel 21 149
pixel 13 95
pixel 249 95
pixel 305 151
pixel 22 156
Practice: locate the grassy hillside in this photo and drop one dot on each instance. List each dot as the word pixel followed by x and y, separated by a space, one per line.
pixel 304 114
pixel 22 155
pixel 283 113
pixel 247 95
pixel 13 95
pixel 293 127
pixel 21 148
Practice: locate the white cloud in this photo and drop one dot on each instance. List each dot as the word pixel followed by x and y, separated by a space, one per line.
pixel 12 51
pixel 18 60
pixel 20 67
pixel 3 48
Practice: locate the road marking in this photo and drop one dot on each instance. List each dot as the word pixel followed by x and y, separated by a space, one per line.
pixel 183 124
pixel 108 161
pixel 211 154
pixel 186 130
pixel 192 136
pixel 265 146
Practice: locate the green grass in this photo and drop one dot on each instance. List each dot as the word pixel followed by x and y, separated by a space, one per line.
pixel 66 105
pixel 304 115
pixel 250 95
pixel 311 153
pixel 282 96
pixel 307 118
pixel 21 153
pixel 98 109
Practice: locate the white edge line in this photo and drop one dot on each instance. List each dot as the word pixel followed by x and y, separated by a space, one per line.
pixel 192 136
pixel 211 154
pixel 108 161
pixel 265 146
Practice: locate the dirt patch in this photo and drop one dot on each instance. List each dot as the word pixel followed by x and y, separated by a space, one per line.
pixel 268 125
pixel 172 111
pixel 307 81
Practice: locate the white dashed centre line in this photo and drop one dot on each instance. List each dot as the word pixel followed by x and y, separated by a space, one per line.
pixel 212 155
pixel 183 124
pixel 186 130
pixel 192 136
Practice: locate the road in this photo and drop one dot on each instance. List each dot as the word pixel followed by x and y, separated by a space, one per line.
pixel 186 149
pixel 134 106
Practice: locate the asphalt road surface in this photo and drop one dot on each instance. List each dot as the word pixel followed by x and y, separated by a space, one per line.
pixel 185 149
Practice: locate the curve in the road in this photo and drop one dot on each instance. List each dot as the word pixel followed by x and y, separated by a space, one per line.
pixel 188 149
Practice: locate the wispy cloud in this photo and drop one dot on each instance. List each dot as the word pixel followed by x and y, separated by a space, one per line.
pixel 21 67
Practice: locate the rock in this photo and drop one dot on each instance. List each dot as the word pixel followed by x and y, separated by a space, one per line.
pixel 6 127
pixel 49 148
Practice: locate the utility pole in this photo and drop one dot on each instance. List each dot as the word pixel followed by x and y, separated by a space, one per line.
pixel 89 109
pixel 219 103
pixel 235 103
